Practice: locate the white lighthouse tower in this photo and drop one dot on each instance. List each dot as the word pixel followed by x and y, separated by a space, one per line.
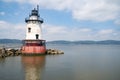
pixel 33 29
pixel 33 43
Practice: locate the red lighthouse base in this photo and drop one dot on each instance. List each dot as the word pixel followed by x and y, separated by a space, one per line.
pixel 33 47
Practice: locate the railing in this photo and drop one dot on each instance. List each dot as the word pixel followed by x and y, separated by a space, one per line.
pixel 39 20
pixel 34 42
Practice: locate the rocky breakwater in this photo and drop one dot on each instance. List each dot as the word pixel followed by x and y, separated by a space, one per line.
pixel 9 52
pixel 16 52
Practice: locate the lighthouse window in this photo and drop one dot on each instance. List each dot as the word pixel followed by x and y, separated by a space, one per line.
pixel 29 30
pixel 37 36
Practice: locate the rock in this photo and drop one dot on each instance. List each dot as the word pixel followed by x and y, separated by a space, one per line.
pixel 3 53
pixel 18 52
pixel 3 50
pixel 53 51
pixel 0 50
pixel 9 52
pixel 60 52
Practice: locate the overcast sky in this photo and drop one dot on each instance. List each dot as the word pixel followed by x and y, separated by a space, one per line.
pixel 63 19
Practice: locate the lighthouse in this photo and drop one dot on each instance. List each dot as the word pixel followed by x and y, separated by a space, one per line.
pixel 33 43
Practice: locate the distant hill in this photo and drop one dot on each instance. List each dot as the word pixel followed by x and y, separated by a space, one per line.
pixel 10 41
pixel 59 42
pixel 3 41
pixel 85 42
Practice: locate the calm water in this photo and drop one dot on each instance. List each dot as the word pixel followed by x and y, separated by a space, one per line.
pixel 80 62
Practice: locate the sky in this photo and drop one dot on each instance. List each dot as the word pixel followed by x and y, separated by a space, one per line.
pixel 71 20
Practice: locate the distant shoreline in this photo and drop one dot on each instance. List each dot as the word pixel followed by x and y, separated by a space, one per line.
pixel 107 42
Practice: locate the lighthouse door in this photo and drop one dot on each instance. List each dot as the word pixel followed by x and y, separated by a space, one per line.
pixel 37 36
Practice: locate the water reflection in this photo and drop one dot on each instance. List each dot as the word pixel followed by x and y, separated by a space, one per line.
pixel 33 66
pixel 2 60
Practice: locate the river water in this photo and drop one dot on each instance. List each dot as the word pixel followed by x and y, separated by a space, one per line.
pixel 79 62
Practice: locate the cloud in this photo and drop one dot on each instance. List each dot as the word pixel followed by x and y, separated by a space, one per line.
pixel 104 32
pixel 85 30
pixel 117 22
pixel 55 32
pixel 52 29
pixel 95 10
pixel 12 31
pixel 107 34
pixel 2 13
pixel 19 1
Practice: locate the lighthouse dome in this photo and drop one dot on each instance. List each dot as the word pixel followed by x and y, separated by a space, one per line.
pixel 34 12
